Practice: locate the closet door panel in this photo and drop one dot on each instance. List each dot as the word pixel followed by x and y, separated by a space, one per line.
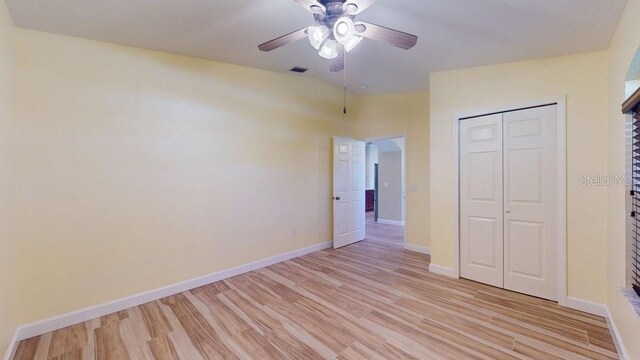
pixel 530 168
pixel 481 200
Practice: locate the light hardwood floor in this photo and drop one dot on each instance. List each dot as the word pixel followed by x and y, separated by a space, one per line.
pixel 371 300
pixel 383 232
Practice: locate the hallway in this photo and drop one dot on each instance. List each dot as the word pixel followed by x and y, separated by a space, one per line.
pixel 380 232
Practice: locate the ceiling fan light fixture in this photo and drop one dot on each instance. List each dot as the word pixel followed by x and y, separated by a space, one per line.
pixel 344 30
pixel 329 50
pixel 317 35
pixel 335 33
pixel 351 44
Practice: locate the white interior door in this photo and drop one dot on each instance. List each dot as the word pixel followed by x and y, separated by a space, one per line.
pixel 481 218
pixel 349 191
pixel 530 169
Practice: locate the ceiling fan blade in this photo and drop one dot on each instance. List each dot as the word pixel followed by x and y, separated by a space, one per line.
pixel 312 5
pixel 355 7
pixel 389 36
pixel 337 64
pixel 284 40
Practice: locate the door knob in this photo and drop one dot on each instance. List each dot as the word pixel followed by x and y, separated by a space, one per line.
pixel 508 211
pixel 336 198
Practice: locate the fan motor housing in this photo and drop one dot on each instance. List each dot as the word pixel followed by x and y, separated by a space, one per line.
pixel 335 11
pixel 327 2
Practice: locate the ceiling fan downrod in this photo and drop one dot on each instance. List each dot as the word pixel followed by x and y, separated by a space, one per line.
pixel 344 82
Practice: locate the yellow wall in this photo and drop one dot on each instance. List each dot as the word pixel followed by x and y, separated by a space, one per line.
pixel 623 47
pixel 141 169
pixel 7 118
pixel 583 78
pixel 403 114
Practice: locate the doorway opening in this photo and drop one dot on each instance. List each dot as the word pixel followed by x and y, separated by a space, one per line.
pixel 385 169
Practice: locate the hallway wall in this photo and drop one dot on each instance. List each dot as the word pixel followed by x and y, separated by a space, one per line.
pixel 390 186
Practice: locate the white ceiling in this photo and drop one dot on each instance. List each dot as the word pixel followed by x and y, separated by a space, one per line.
pixel 453 33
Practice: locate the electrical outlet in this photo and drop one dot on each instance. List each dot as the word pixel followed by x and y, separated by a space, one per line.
pixel 294 233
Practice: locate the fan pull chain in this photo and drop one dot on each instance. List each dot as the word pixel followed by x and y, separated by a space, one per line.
pixel 344 82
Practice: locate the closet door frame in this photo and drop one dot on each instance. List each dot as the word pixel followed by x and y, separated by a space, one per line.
pixel 561 185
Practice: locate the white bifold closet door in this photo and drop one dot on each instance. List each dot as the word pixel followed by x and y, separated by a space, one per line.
pixel 508 169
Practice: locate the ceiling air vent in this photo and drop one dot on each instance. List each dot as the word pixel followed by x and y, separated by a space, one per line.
pixel 299 70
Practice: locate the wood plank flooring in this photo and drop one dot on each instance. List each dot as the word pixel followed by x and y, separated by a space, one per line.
pixel 371 300
pixel 383 232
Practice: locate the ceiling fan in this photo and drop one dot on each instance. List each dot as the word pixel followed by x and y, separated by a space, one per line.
pixel 337 32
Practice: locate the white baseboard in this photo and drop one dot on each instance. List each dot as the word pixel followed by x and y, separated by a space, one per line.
pixel 441 270
pixel 418 249
pixel 13 347
pixel 76 317
pixel 390 222
pixel 600 310
pixel 587 306
pixel 622 351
